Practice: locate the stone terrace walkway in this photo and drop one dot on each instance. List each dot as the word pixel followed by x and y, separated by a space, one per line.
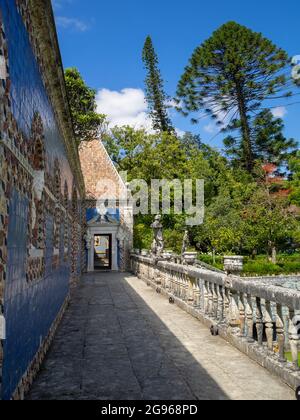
pixel 120 340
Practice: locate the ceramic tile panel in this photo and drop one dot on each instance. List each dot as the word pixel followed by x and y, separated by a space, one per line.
pixel 40 229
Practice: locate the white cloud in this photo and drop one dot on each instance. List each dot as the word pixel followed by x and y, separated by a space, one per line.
pixel 59 4
pixel 279 112
pixel 56 4
pixel 210 128
pixel 125 107
pixel 179 132
pixel 71 23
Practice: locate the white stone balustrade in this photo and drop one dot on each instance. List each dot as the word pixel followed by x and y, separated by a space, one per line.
pixel 258 318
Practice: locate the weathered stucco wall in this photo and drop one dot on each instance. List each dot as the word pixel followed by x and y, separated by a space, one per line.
pixel 40 191
pixel 100 175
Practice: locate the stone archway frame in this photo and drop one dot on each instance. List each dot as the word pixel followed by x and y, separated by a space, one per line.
pixel 103 229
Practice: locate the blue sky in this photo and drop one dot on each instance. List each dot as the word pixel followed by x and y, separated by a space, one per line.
pixel 104 39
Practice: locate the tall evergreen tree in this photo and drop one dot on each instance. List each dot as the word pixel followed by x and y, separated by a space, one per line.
pixel 156 97
pixel 268 141
pixel 296 70
pixel 230 75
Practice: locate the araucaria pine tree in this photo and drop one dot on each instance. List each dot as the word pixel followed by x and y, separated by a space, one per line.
pixel 229 77
pixel 269 144
pixel 156 97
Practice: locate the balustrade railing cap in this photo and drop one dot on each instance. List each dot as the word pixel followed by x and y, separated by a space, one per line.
pixel 277 294
pixel 269 292
pixel 234 257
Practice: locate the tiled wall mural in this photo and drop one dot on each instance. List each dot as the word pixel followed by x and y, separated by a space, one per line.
pixel 40 212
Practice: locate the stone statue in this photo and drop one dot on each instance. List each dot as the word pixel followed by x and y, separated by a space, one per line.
pixel 158 243
pixel 88 240
pixel 186 242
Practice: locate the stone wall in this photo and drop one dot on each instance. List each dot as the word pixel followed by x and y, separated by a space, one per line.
pixel 40 191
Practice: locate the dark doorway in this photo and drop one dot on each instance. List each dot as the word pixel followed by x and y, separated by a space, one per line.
pixel 103 252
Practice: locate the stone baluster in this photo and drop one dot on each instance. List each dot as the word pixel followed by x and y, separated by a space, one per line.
pixel 171 282
pixel 206 298
pixel 220 314
pixel 242 315
pixel 227 305
pixel 186 287
pixel 167 279
pixel 197 294
pixel 158 279
pixel 234 309
pixel 249 318
pixel 210 299
pixel 178 284
pixel 259 322
pixel 280 333
pixel 171 279
pixel 174 280
pixel 215 301
pixel 163 277
pixel 294 338
pixel 269 326
pixel 191 290
pixel 182 286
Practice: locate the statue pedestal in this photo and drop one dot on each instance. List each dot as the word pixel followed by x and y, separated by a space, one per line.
pixel 190 257
pixel 233 264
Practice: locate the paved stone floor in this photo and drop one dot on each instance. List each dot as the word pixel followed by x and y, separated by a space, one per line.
pixel 119 340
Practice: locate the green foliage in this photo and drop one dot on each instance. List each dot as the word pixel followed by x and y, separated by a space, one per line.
pixel 161 156
pixel 86 121
pixel 147 156
pixel 267 268
pixel 143 236
pixel 216 261
pixel 260 266
pixel 289 357
pixel 269 143
pixel 246 218
pixel 243 215
pixel 295 184
pixel 230 75
pixel 156 96
pixel 267 218
pixel 173 239
pixel 249 208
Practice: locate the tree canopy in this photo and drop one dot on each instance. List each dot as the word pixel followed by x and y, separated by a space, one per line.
pixel 229 76
pixel 156 97
pixel 269 144
pixel 87 122
pixel 252 191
